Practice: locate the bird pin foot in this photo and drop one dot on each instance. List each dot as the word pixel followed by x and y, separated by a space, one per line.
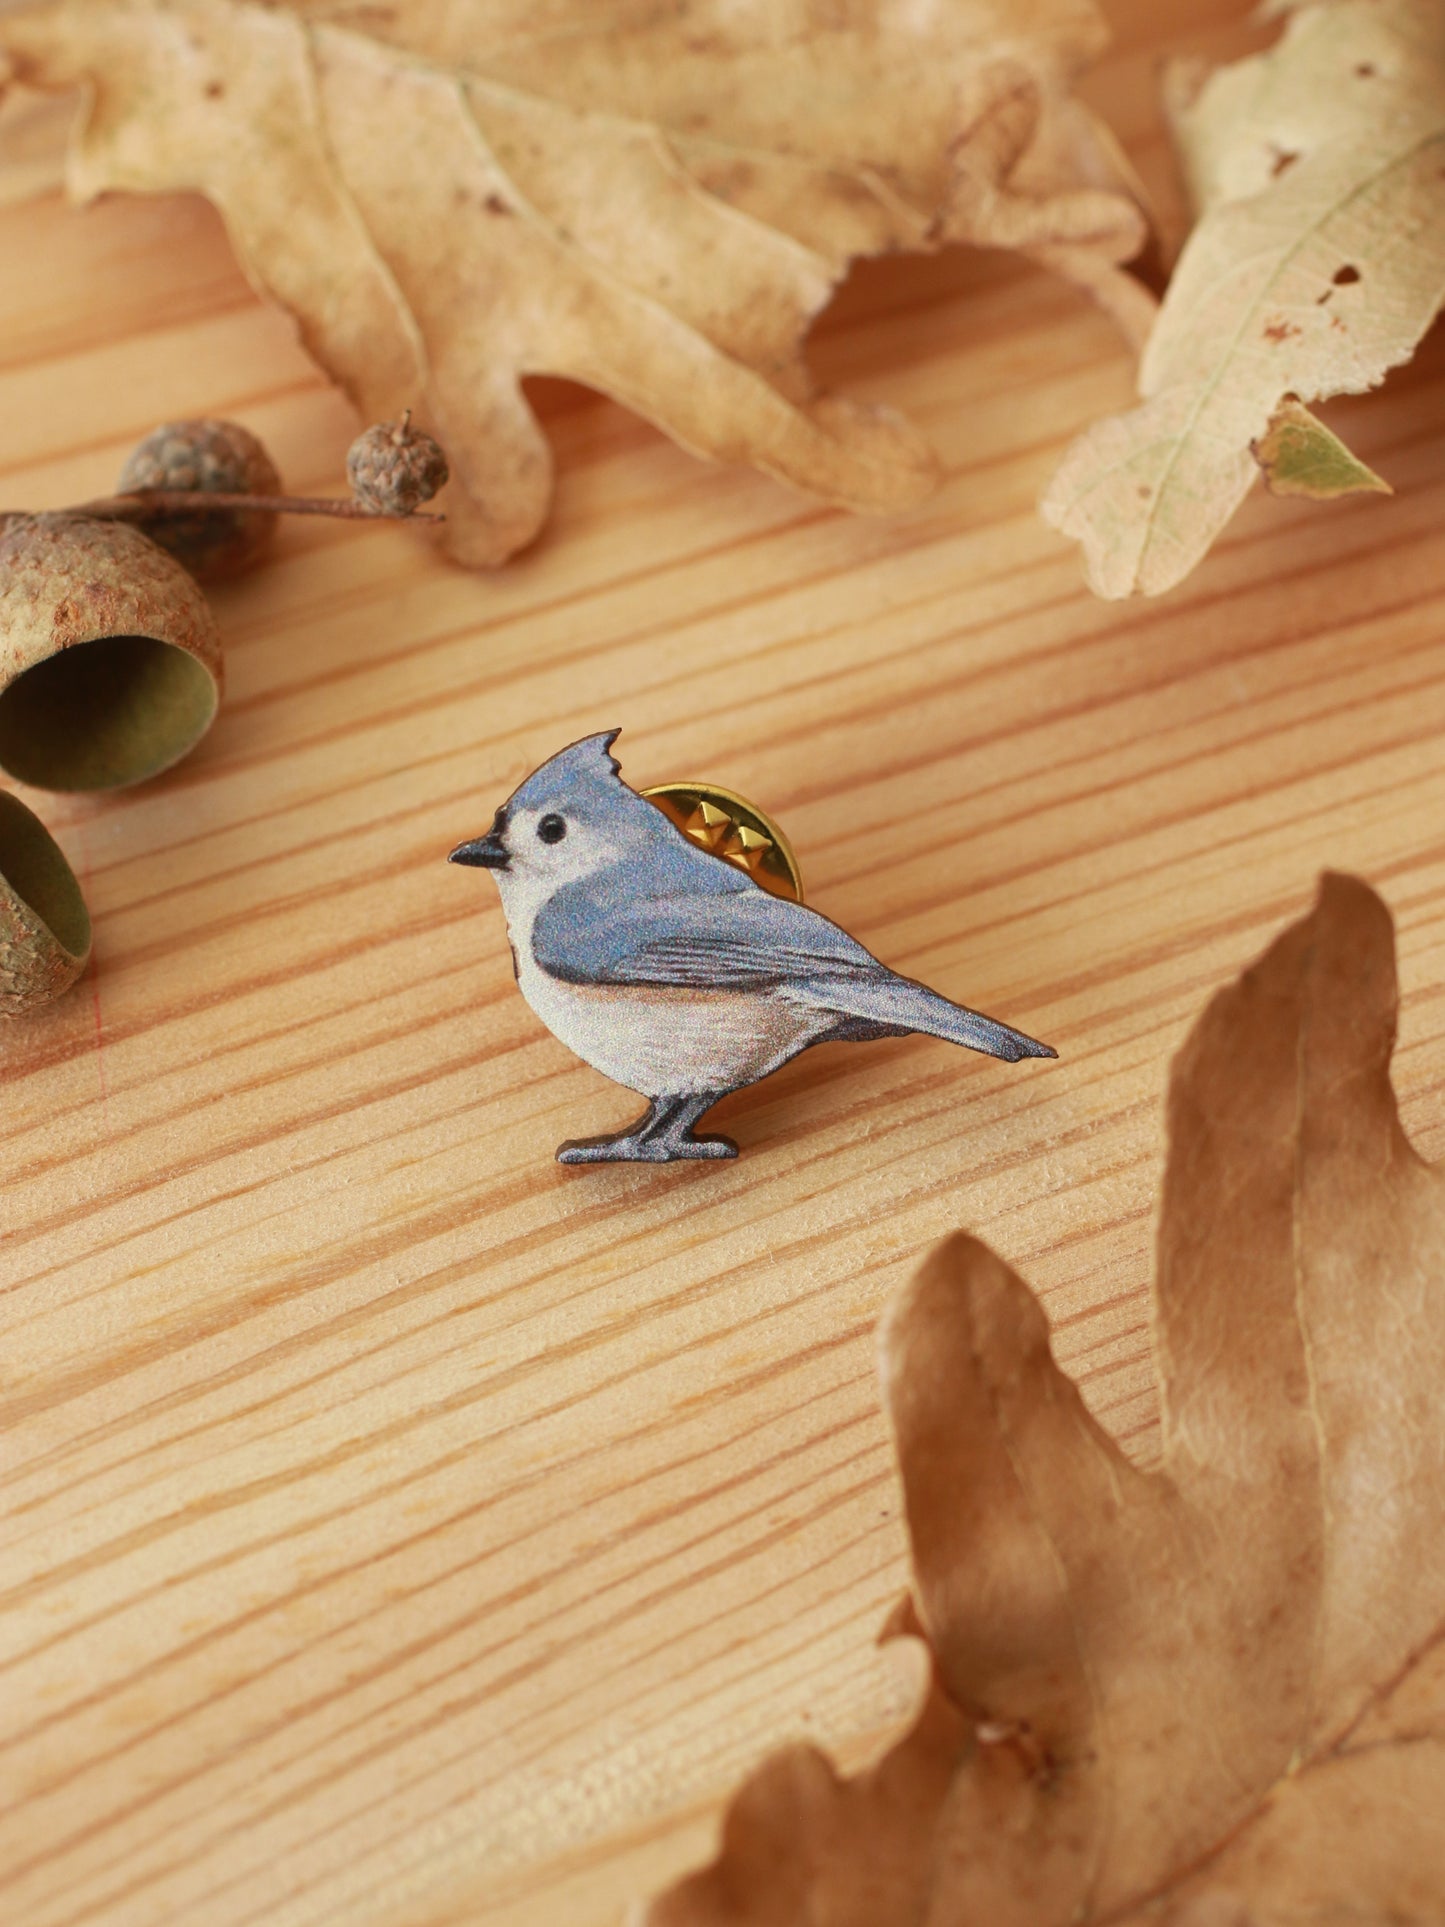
pixel 664 1136
pixel 629 1148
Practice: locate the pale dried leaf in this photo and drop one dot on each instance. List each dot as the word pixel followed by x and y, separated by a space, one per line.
pixel 656 199
pixel 33 131
pixel 1317 265
pixel 1298 455
pixel 1171 1691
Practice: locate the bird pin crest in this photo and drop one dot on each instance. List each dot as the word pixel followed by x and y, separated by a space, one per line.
pixel 672 970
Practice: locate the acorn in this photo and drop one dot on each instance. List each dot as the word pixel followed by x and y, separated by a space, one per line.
pixel 393 468
pixel 44 924
pixel 110 661
pixel 221 457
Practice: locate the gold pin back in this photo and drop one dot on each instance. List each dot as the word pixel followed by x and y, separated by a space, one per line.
pixel 729 826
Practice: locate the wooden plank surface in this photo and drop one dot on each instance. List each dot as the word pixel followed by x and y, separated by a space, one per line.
pixel 398 1528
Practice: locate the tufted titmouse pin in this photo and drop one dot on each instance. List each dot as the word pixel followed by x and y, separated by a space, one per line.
pixel 672 972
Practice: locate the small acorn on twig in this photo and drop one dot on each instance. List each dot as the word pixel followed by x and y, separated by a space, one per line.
pixel 207 457
pixel 393 468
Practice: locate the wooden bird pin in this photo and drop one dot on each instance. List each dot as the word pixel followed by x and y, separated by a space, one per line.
pixel 673 972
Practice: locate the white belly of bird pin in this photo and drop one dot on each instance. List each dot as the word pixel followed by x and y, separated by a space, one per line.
pixel 667 967
pixel 663 1043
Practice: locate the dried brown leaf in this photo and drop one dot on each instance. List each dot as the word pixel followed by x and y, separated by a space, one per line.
pixel 1213 1695
pixel 1317 265
pixel 653 199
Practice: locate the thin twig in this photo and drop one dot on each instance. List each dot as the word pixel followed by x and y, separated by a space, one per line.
pixel 143 502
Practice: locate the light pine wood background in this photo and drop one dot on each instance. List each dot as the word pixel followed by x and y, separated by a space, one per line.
pixel 397 1528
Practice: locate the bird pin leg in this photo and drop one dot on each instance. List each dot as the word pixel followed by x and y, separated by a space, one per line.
pixel 664 1134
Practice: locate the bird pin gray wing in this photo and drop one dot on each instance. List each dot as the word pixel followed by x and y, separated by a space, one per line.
pixel 705 927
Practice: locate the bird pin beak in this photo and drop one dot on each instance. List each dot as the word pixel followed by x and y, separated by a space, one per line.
pixel 482 853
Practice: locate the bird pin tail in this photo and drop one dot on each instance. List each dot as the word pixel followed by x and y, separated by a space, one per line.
pixel 899 1003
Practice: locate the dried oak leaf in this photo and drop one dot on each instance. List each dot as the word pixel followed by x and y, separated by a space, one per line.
pixel 1317 264
pixel 1211 1695
pixel 655 199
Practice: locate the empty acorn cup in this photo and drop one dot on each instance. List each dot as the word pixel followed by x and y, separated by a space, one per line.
pixel 44 924
pixel 110 661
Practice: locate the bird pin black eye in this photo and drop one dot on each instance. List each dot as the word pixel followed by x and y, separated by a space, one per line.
pixel 551 829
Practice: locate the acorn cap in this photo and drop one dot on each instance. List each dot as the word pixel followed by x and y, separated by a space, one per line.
pixel 110 661
pixel 206 456
pixel 44 924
